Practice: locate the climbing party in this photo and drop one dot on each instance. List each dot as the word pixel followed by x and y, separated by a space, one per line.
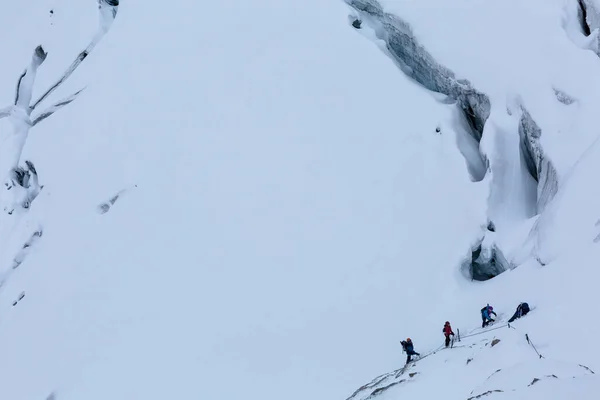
pixel 486 315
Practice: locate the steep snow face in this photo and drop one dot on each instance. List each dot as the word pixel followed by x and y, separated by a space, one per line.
pixel 529 98
pixel 513 193
pixel 422 67
pixel 250 200
pixel 461 372
pixel 502 362
pixel 231 194
pixel 540 143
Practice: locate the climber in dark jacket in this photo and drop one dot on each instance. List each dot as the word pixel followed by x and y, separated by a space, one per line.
pixel 409 349
pixel 447 332
pixel 522 310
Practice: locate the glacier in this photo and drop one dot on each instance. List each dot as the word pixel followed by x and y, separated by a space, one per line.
pixel 261 199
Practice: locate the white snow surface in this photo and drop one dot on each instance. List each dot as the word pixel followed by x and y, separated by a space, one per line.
pixel 287 211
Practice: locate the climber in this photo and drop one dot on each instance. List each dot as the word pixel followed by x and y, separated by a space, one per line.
pixel 409 348
pixel 522 310
pixel 485 315
pixel 447 332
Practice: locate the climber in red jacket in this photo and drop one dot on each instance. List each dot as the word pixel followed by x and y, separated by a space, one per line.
pixel 447 332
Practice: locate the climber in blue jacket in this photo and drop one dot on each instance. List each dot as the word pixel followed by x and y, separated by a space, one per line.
pixel 409 349
pixel 486 315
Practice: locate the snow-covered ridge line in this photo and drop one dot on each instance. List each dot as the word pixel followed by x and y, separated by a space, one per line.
pixel 21 184
pixel 467 354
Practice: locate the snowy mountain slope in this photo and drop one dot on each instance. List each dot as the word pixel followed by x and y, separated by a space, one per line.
pixel 274 186
pixel 538 62
pixel 291 203
pixel 461 372
pixel 525 73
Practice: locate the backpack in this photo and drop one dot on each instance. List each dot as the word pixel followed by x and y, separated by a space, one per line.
pixel 524 308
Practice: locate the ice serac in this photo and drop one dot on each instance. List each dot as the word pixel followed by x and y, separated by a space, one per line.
pixel 589 18
pixel 418 64
pixel 538 164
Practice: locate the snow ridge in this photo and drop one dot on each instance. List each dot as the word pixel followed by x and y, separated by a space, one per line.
pixel 460 360
pixel 21 183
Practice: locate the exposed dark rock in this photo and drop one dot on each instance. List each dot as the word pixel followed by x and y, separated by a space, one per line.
pixel 485 394
pixel 357 23
pixel 469 360
pixel 379 391
pixel 412 374
pixel 21 296
pixel 563 97
pixel 495 342
pixel 587 368
pixel 27 178
pixel 533 382
pixel 372 384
